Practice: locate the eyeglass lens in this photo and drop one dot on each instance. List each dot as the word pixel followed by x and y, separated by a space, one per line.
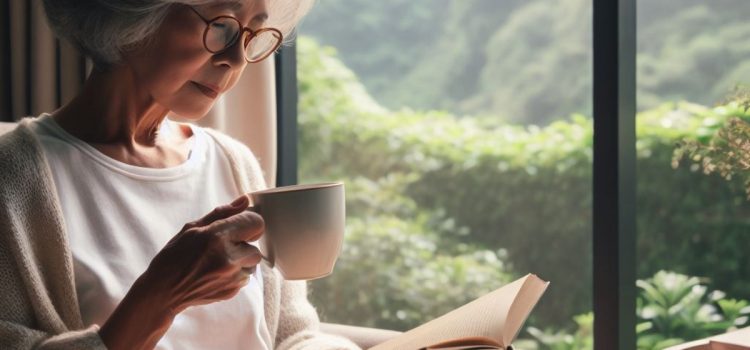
pixel 262 44
pixel 223 32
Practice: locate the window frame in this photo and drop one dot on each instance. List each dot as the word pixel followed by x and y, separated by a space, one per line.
pixel 285 63
pixel 614 234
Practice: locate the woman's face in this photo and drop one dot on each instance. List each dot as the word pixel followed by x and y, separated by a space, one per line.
pixel 175 68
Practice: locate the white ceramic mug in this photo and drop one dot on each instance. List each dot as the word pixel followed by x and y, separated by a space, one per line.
pixel 304 228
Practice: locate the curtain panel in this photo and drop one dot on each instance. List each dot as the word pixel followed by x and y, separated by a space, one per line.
pixel 39 72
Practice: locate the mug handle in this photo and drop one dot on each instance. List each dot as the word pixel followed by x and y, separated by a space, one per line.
pixel 266 251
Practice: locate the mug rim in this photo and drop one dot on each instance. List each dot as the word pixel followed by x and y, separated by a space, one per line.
pixel 298 188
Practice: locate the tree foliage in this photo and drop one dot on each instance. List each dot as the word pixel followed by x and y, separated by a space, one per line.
pixel 529 62
pixel 428 190
pixel 672 309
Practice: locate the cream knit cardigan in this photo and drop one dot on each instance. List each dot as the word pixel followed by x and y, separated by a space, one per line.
pixel 38 303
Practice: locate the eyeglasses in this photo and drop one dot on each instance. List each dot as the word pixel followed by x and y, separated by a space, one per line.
pixel 222 32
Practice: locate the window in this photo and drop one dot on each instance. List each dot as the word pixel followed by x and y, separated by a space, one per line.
pixel 690 91
pixel 463 132
pixel 692 226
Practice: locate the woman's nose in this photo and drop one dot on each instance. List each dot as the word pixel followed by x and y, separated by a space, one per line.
pixel 233 56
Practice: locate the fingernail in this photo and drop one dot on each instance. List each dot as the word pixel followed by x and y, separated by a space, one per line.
pixel 239 201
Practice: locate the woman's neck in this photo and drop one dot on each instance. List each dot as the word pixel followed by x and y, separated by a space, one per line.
pixel 116 116
pixel 112 109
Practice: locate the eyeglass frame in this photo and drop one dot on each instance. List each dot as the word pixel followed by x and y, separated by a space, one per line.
pixel 252 33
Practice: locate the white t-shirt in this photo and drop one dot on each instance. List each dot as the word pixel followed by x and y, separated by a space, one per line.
pixel 118 216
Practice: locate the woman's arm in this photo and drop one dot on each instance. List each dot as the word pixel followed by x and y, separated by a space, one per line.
pixel 139 321
pixel 207 261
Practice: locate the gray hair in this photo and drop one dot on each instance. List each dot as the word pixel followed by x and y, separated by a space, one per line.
pixel 104 29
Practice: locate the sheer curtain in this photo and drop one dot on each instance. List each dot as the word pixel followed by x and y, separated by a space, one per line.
pixel 248 113
pixel 39 73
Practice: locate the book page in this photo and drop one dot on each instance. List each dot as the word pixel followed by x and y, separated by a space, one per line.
pixel 484 317
pixel 736 338
pixel 531 291
pixel 717 345
pixel 467 347
pixel 473 343
pixel 701 344
pixel 704 344
pixel 740 337
pixel 465 344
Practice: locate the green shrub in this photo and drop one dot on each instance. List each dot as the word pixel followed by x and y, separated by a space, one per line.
pixel 689 222
pixel 675 308
pixel 672 309
pixel 581 339
pixel 395 273
pixel 725 147
pixel 522 190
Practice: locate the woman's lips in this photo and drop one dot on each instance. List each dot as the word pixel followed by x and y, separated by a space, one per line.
pixel 212 93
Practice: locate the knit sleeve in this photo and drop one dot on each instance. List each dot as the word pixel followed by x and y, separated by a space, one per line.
pixel 17 337
pixel 37 303
pixel 298 327
pixel 18 328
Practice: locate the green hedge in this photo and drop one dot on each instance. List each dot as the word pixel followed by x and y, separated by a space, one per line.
pixel 395 270
pixel 521 194
pixel 672 309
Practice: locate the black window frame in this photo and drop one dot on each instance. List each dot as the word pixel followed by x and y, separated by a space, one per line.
pixel 614 32
pixel 285 64
pixel 614 173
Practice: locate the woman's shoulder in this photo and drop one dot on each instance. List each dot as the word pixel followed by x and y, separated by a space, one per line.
pixel 6 127
pixel 17 141
pixel 241 158
pixel 187 130
pixel 228 144
pixel 21 160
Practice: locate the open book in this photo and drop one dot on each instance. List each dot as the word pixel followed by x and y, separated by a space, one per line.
pixel 736 340
pixel 490 322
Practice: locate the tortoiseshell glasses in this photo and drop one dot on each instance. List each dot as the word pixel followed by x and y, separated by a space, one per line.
pixel 223 31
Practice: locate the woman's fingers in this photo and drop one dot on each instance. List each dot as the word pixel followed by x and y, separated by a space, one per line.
pixel 237 206
pixel 242 254
pixel 210 259
pixel 243 227
pixel 224 211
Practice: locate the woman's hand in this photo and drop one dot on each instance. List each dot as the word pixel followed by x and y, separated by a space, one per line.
pixel 207 261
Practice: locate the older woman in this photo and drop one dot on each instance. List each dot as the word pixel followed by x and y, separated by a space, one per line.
pixel 105 241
